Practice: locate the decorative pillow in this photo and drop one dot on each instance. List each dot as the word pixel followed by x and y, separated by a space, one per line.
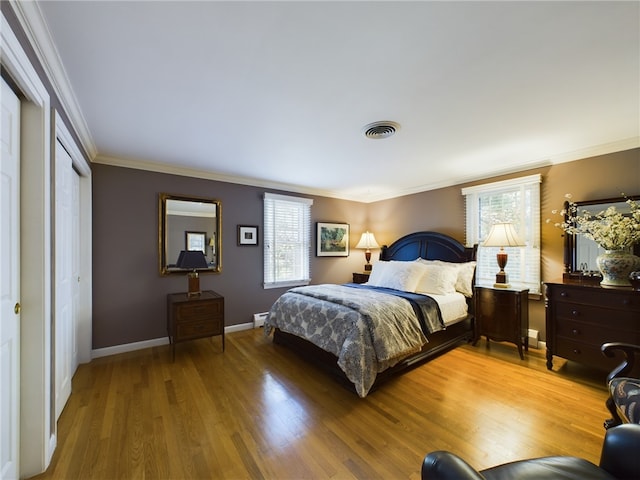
pixel 625 393
pixel 465 271
pixel 437 279
pixel 397 275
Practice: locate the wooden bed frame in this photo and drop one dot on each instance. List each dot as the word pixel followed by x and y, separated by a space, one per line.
pixel 426 245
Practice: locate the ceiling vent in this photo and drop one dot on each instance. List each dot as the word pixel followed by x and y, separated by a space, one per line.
pixel 382 129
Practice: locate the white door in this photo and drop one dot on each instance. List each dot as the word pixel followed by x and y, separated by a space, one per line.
pixel 9 284
pixel 66 265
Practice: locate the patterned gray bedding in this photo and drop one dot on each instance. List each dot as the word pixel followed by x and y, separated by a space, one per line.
pixel 367 329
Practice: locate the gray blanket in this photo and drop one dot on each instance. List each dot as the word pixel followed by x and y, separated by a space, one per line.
pixel 367 330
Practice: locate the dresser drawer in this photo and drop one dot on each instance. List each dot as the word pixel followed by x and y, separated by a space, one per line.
pixel 618 299
pixel 599 316
pixel 584 353
pixel 205 328
pixel 594 334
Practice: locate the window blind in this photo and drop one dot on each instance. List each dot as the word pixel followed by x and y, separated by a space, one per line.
pixel 287 240
pixel 516 201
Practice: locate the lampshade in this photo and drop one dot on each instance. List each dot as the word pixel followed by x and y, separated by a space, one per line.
pixel 502 235
pixel 367 242
pixel 191 260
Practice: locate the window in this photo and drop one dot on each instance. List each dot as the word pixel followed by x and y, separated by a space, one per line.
pixel 516 201
pixel 287 240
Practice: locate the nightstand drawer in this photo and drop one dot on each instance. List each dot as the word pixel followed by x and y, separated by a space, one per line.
pixel 205 328
pixel 195 310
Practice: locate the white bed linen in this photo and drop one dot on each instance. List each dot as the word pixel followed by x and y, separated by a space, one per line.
pixel 453 306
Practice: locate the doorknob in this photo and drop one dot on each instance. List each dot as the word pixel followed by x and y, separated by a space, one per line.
pixel 16 308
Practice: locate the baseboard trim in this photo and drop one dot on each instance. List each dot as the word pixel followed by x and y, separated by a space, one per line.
pixel 155 342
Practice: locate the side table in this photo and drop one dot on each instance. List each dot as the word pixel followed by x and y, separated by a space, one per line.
pixel 502 314
pixel 191 317
pixel 361 277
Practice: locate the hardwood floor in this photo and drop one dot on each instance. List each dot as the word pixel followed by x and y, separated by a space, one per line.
pixel 258 411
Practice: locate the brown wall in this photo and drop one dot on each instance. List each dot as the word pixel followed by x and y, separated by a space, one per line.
pixel 129 294
pixel 442 210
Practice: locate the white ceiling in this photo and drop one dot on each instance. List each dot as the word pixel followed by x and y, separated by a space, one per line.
pixel 277 93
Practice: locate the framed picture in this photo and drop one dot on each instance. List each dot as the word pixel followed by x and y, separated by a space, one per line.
pixel 332 239
pixel 195 241
pixel 247 235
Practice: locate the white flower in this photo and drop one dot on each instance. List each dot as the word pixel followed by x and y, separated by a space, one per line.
pixel 610 229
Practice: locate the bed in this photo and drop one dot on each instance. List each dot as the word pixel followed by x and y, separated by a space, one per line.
pixel 418 299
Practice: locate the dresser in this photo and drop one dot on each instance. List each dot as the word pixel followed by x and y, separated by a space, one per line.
pixel 197 316
pixel 502 314
pixel 580 318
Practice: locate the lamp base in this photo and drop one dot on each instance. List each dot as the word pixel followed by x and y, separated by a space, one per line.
pixel 502 280
pixel 194 284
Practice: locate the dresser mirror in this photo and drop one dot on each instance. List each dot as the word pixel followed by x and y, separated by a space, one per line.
pixel 580 253
pixel 189 223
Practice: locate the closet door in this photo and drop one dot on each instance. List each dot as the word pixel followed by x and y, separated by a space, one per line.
pixel 66 275
pixel 9 283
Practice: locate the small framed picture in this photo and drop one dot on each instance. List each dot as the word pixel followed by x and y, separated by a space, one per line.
pixel 332 239
pixel 195 241
pixel 247 235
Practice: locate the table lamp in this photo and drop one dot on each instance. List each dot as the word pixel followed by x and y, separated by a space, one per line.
pixel 367 242
pixel 502 235
pixel 192 260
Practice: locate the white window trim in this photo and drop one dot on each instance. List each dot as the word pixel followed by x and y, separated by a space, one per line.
pixel 472 226
pixel 269 243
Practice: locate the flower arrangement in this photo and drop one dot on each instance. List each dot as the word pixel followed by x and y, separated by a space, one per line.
pixel 610 229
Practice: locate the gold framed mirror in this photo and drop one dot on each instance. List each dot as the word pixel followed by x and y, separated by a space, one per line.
pixel 187 223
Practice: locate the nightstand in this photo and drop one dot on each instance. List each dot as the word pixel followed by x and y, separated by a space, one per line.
pixel 361 277
pixel 191 317
pixel 502 314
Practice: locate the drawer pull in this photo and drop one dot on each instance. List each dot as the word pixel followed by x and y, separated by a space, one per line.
pixel 564 294
pixel 626 301
pixel 577 351
pixel 575 331
pixel 575 313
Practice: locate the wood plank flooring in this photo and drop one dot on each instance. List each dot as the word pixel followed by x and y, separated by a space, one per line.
pixel 257 411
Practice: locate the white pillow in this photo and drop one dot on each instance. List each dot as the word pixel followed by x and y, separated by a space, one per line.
pixel 437 279
pixel 465 271
pixel 378 270
pixel 397 275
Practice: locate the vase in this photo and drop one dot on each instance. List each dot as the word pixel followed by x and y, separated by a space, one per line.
pixel 615 266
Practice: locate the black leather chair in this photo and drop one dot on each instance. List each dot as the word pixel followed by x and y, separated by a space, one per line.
pixel 620 459
pixel 624 389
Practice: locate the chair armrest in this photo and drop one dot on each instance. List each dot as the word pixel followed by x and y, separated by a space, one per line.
pixel 620 451
pixel 443 465
pixel 629 350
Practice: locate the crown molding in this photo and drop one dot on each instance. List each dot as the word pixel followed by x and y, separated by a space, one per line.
pixel 209 175
pixel 32 21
